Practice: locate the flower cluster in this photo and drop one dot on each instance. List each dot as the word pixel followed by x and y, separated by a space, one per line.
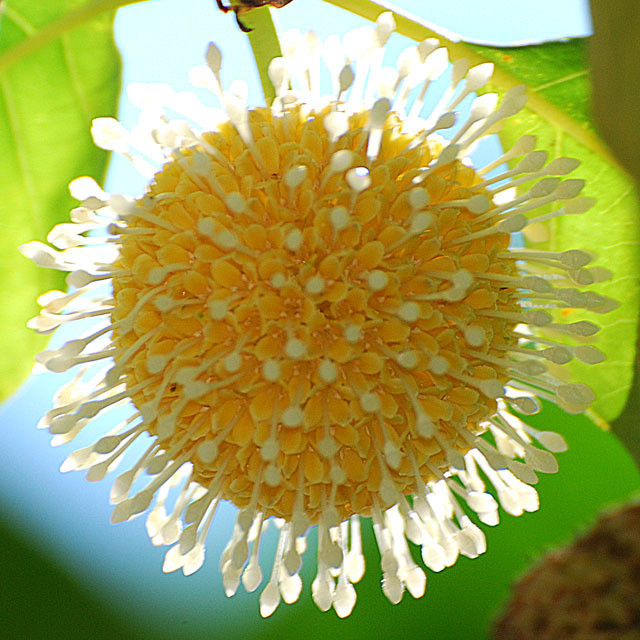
pixel 317 314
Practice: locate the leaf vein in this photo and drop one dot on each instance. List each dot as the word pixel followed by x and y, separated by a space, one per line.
pixel 74 75
pixel 617 323
pixel 623 243
pixel 623 195
pixel 619 391
pixel 557 81
pixel 19 20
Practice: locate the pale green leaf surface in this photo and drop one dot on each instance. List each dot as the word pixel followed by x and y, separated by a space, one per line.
pixel 47 101
pixel 557 72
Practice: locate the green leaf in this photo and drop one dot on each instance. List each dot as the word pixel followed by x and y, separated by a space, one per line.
pixel 49 93
pixel 557 73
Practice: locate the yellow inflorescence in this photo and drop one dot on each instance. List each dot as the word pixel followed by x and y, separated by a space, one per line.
pixel 302 326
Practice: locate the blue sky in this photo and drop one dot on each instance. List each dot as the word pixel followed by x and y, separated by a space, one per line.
pixel 160 41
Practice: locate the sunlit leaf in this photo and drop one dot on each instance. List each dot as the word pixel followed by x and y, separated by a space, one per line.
pixel 47 101
pixel 557 72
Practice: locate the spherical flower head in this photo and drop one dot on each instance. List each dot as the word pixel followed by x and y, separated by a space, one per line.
pixel 317 314
pixel 589 589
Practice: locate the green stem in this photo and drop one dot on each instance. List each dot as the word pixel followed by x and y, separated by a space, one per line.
pixel 417 29
pixel 69 21
pixel 265 45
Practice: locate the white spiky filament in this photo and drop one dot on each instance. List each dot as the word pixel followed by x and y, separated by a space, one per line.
pixel 317 315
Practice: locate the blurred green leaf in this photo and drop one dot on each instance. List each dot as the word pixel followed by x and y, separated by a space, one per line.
pixel 48 98
pixel 615 51
pixel 40 600
pixel 557 72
